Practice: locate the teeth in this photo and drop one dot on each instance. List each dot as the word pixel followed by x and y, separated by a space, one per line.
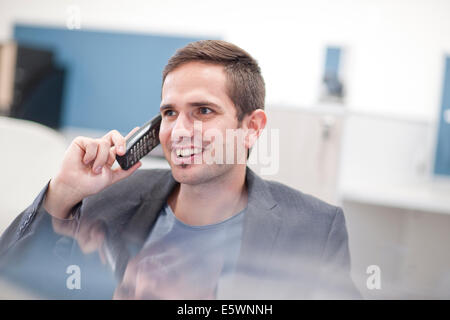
pixel 196 150
pixel 187 152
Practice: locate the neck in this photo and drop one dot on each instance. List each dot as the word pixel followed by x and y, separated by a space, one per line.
pixel 210 202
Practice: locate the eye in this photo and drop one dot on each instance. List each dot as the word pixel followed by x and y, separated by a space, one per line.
pixel 205 110
pixel 168 112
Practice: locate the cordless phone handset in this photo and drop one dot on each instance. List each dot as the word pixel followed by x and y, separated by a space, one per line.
pixel 140 143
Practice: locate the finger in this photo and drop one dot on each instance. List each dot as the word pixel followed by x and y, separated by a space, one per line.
pixel 112 157
pixel 93 242
pixel 114 150
pixel 117 140
pixel 102 256
pixel 119 173
pixel 132 132
pixel 90 151
pixel 89 146
pixel 65 227
pixel 102 155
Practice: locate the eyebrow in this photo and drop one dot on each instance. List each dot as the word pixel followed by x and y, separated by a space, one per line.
pixel 193 104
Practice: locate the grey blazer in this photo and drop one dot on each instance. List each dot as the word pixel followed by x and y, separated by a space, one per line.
pixel 293 245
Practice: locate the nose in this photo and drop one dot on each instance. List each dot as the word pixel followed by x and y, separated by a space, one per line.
pixel 183 129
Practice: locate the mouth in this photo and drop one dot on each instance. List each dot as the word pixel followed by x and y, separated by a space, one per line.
pixel 187 152
pixel 183 156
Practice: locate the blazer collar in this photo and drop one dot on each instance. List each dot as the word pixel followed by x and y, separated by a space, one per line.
pixel 142 221
pixel 262 223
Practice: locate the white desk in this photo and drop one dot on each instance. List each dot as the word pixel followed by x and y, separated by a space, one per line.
pixel 432 195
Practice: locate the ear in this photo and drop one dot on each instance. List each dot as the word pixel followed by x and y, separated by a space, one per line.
pixel 254 124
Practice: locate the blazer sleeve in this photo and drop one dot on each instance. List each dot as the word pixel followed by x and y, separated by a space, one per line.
pixel 335 279
pixel 30 249
pixel 28 222
pixel 24 224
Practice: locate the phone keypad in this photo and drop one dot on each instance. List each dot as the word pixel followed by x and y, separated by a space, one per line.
pixel 141 148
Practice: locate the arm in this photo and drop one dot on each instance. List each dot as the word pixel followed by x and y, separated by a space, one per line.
pixel 335 281
pixel 33 239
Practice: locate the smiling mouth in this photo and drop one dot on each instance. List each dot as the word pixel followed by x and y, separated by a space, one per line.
pixel 186 153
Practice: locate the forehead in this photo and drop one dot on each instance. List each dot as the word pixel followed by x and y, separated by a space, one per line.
pixel 196 78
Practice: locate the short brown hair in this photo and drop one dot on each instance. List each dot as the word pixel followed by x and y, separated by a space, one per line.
pixel 245 83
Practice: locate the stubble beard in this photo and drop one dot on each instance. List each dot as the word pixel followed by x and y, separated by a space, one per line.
pixel 195 175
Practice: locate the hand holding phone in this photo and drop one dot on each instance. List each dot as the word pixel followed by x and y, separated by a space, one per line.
pixel 86 169
pixel 140 143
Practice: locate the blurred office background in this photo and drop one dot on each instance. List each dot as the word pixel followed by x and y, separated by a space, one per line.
pixel 359 91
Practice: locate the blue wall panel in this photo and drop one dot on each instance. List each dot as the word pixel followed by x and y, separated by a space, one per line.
pixel 442 162
pixel 332 59
pixel 114 79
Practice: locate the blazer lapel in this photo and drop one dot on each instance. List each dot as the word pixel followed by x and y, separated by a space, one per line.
pixel 261 226
pixel 140 225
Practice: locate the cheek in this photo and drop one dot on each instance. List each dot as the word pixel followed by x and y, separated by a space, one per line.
pixel 164 134
pixel 211 135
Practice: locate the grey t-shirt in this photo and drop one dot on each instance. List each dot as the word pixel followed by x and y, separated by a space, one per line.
pixel 201 257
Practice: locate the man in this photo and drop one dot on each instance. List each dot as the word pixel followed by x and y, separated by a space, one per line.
pixel 207 228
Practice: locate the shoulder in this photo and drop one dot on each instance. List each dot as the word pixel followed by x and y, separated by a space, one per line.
pixel 144 179
pixel 129 192
pixel 296 205
pixel 140 182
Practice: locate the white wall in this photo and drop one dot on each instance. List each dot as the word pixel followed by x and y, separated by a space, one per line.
pixel 394 61
pixel 378 150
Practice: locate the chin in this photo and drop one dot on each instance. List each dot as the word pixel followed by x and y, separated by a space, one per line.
pixel 195 174
pixel 187 174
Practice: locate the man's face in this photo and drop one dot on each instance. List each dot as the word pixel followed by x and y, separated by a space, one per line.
pixel 196 113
